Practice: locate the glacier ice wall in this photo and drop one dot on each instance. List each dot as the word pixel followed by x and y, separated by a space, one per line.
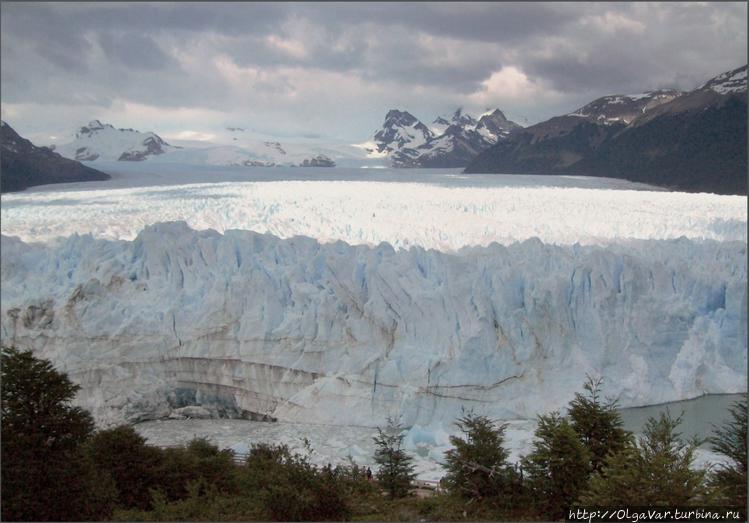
pixel 333 333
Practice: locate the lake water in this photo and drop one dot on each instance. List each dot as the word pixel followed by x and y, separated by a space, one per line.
pixel 334 444
pixel 699 415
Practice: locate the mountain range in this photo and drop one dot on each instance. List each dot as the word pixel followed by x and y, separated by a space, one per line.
pixel 689 141
pixel 99 141
pixel 407 142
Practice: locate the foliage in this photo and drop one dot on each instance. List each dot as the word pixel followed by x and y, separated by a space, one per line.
pixel 598 424
pixel 655 471
pixel 557 469
pixel 477 468
pixel 199 460
pixel 131 463
pixel 729 481
pixel 292 489
pixel 201 504
pixel 396 470
pixel 45 474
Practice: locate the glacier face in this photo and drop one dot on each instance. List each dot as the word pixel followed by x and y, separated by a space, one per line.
pixel 300 330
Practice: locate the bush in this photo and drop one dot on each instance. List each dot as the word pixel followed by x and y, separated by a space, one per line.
pixel 198 461
pixel 290 488
pixel 133 465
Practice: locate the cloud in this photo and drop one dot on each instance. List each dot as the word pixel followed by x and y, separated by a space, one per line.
pixel 134 51
pixel 295 69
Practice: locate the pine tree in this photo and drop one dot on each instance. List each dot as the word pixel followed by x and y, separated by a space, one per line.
pixel 729 480
pixel 557 470
pixel 396 470
pixel 597 423
pixel 476 467
pixel 655 471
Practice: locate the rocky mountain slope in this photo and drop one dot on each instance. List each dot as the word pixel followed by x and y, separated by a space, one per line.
pixel 694 141
pixel 454 142
pixel 25 165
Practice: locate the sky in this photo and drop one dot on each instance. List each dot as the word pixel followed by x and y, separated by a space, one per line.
pixel 330 71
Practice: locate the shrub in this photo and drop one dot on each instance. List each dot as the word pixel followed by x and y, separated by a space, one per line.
pixel 199 460
pixel 132 464
pixel 290 488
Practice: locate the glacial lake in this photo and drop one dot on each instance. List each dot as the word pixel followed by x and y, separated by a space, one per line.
pixel 334 444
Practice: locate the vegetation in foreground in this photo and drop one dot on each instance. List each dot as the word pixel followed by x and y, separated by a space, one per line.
pixel 56 467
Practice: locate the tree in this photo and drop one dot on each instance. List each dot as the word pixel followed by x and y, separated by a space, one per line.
pixel 598 424
pixel 476 467
pixel 46 475
pixel 655 471
pixel 396 470
pixel 730 479
pixel 558 467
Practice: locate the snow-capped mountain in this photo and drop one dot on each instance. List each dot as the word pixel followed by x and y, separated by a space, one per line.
pixel 100 141
pixel 401 130
pixel 25 165
pixel 729 82
pixel 623 108
pixel 494 126
pixel 454 142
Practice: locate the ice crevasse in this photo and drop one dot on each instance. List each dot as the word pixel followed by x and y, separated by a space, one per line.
pixel 251 325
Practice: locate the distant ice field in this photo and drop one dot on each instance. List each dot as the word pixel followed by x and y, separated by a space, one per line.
pixel 438 209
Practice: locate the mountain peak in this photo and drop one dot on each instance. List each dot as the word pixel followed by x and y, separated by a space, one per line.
pixel 448 143
pixel 98 140
pixel 733 81
pixel 462 119
pixel 397 113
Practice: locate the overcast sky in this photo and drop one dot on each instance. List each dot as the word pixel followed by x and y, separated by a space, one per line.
pixel 331 71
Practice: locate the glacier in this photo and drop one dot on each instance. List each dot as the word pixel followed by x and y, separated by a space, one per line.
pixel 300 329
pixel 444 211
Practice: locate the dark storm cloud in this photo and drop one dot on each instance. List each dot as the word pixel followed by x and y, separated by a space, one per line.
pixel 134 51
pixel 321 62
pixel 465 20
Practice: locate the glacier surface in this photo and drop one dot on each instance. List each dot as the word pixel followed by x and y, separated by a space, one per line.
pixel 299 329
pixel 436 211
